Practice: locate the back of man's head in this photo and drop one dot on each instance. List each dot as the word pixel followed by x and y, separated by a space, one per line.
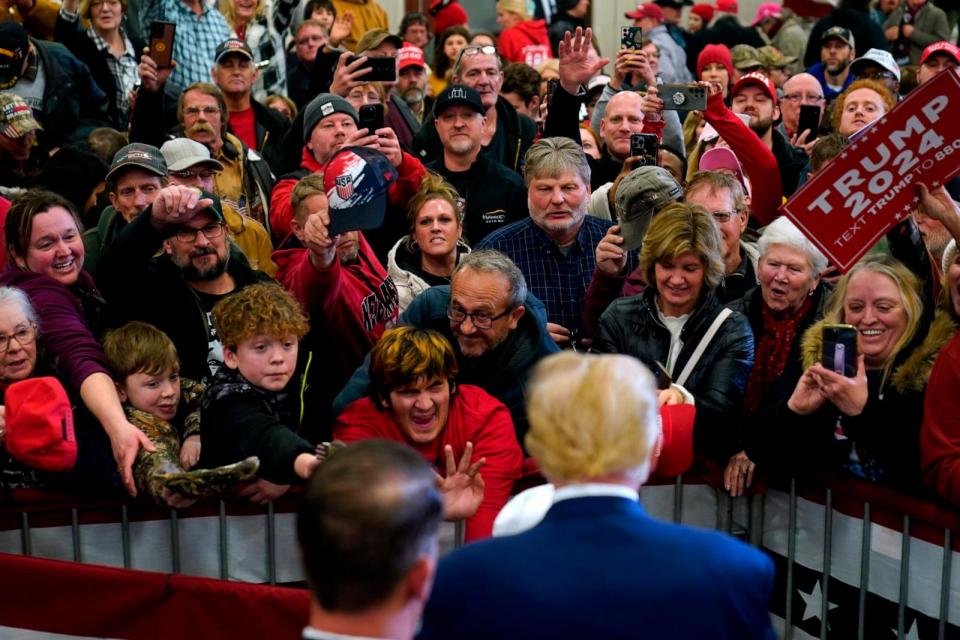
pixel 606 404
pixel 370 513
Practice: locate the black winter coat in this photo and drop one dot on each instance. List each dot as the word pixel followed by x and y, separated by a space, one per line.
pixel 632 326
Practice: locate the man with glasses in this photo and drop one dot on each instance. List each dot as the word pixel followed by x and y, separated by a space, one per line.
pixel 170 266
pixel 879 65
pixel 189 163
pixel 458 116
pixel 497 329
pixel 508 134
pixel 800 89
pixel 246 181
pixel 136 176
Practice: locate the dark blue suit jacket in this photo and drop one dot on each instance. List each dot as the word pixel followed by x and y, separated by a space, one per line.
pixel 599 567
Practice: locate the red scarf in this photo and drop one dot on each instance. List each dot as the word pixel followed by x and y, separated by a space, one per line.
pixel 773 349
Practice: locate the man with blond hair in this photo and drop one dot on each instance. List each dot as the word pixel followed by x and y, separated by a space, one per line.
pixel 597 566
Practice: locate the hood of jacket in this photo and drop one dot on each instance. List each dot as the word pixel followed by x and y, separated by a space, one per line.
pixel 308 162
pixel 534 30
pixel 399 253
pixel 915 361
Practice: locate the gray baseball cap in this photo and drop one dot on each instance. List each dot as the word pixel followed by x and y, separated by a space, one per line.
pixel 879 57
pixel 641 194
pixel 183 153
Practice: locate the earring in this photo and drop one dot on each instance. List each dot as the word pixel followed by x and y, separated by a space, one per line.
pixel 811 292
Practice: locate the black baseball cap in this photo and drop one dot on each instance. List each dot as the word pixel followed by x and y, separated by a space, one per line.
pixel 458 94
pixel 232 45
pixel 13 49
pixel 140 156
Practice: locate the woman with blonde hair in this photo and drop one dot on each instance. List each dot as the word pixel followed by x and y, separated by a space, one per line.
pixel 429 254
pixel 677 324
pixel 869 424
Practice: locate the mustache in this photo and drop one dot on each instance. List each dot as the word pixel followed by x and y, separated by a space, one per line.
pixel 203 251
pixel 200 127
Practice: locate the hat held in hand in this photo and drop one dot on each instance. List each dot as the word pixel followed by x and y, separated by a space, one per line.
pixel 356 180
pixel 39 422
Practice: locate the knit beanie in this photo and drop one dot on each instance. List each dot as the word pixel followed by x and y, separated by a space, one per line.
pixel 447 15
pixel 705 11
pixel 715 53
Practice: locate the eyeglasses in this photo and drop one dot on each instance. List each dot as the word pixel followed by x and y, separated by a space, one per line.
pixel 24 337
pixel 187 174
pixel 480 319
pixel 210 232
pixel 878 75
pixel 195 111
pixel 315 39
pixel 476 49
pixel 723 217
pixel 807 98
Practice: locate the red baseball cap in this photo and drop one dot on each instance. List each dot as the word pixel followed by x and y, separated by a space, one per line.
pixel 410 55
pixel 943 46
pixel 673 451
pixel 728 6
pixel 646 10
pixel 757 79
pixel 39 422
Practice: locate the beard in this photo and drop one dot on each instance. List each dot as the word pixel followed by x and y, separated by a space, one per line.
pixel 192 273
pixel 413 96
pixel 837 68
pixel 761 126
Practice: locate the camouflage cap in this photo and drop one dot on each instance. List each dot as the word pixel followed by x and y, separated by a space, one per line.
pixel 16 116
pixel 773 58
pixel 744 56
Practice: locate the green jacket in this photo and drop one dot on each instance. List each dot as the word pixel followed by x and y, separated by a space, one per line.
pixel 97 239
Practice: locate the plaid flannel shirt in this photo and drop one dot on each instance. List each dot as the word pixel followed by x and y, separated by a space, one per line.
pixel 559 280
pixel 125 69
pixel 196 38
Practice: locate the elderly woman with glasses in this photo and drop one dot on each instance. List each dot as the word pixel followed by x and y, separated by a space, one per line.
pixel 111 53
pixel 45 260
pixel 414 399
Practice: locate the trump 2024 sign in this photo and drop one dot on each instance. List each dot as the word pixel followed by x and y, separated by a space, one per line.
pixel 855 199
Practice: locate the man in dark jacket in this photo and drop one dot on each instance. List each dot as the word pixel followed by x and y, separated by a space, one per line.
pixel 458 117
pixel 66 101
pixel 509 134
pixel 854 16
pixel 176 290
pixel 235 73
pixel 497 329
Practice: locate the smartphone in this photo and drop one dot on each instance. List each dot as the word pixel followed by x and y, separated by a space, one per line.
pixel 161 43
pixel 809 119
pixel 664 379
pixel 644 145
pixel 631 38
pixel 683 97
pixel 840 349
pixel 384 69
pixel 371 117
pixel 552 85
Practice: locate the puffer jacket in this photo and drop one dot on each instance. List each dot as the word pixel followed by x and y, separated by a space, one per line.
pixel 410 284
pixel 718 382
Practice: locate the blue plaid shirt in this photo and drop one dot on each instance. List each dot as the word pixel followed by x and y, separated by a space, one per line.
pixel 559 280
pixel 195 40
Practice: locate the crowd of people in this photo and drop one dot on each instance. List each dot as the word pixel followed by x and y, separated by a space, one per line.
pixel 234 265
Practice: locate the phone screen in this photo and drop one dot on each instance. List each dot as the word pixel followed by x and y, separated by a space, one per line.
pixel 809 120
pixel 840 349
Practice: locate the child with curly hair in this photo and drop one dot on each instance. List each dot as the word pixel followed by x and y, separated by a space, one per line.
pixel 254 405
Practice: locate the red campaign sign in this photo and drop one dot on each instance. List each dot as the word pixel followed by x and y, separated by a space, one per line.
pixel 855 199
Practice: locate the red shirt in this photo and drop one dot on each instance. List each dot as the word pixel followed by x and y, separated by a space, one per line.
pixel 244 126
pixel 474 417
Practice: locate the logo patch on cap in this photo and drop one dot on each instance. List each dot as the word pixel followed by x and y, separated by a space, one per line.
pixel 344 186
pixel 137 155
pixel 459 93
pixel 326 108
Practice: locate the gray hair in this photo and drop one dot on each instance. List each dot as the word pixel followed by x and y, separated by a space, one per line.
pixel 458 63
pixel 550 157
pixel 783 231
pixel 492 261
pixel 18 297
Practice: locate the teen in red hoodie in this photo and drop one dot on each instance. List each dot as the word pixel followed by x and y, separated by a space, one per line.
pixel 414 400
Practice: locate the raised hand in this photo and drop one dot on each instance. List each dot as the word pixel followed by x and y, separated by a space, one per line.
pixel 462 488
pixel 577 62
